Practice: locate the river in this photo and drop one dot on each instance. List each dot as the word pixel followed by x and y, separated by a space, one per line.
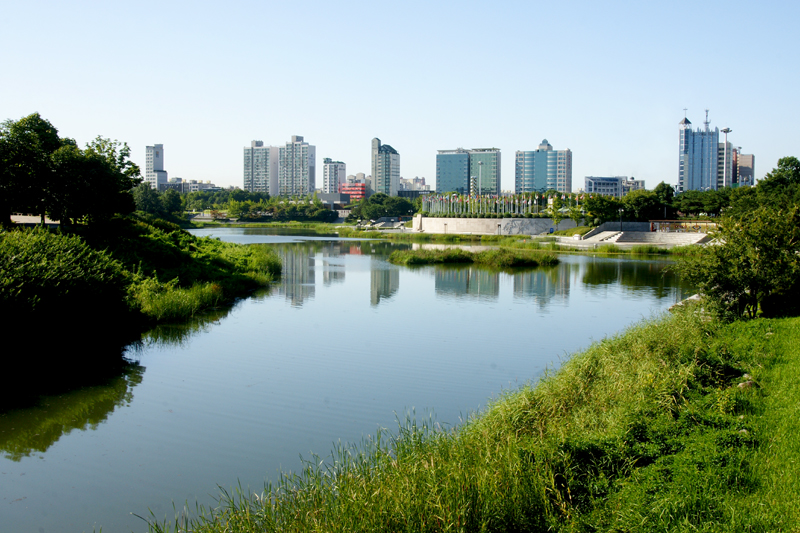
pixel 343 345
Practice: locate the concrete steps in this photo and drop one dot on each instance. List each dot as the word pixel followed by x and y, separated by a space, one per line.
pixel 672 239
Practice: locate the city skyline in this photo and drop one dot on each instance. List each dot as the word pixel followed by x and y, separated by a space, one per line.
pixel 623 77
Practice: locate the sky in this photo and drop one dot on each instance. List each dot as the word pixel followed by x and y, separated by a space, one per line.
pixel 608 80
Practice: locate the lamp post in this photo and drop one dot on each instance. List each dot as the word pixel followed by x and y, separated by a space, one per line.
pixel 620 218
pixel 726 131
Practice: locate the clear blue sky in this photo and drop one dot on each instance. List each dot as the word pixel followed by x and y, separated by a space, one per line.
pixel 609 80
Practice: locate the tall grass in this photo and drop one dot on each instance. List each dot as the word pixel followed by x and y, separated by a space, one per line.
pixel 167 302
pixel 647 431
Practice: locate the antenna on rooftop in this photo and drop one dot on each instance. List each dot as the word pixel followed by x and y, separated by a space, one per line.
pixel 684 112
pixel 706 121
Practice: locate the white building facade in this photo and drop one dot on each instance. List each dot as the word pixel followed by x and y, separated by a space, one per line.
pixel 261 168
pixel 334 173
pixel 385 168
pixel 297 174
pixel 154 173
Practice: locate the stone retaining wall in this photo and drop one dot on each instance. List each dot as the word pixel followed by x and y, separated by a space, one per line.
pixel 489 226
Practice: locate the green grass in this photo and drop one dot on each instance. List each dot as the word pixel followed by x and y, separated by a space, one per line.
pixel 497 258
pixel 579 230
pixel 646 431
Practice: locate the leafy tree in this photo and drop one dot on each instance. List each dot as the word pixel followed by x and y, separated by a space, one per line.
pixel 381 205
pixel 641 205
pixel 754 263
pixel 603 208
pixel 690 202
pixel 46 174
pixel 147 199
pixel 171 201
pixel 26 146
pixel 665 193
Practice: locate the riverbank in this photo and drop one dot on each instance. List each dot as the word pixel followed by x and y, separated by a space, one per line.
pixel 675 424
pixel 496 258
pixel 111 284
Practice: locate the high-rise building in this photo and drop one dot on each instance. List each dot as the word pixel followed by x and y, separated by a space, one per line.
pixel 333 175
pixel 261 168
pixel 154 173
pixel 484 170
pixel 452 171
pixel 468 171
pixel 297 168
pixel 701 159
pixel 543 169
pixel 385 168
pixel 745 169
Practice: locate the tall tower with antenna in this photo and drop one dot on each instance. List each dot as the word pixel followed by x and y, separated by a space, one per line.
pixel 698 156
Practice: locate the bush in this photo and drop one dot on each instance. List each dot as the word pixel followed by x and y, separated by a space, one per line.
pixel 753 263
pixel 43 272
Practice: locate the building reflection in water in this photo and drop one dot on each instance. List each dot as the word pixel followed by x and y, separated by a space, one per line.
pixel 297 276
pixel 332 265
pixel 467 281
pixel 384 280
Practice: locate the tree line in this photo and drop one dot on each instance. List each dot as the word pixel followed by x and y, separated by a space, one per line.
pixel 49 175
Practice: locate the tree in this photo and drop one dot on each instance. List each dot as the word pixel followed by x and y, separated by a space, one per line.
pixel 690 202
pixel 171 201
pixel 641 205
pixel 46 174
pixel 26 175
pixel 754 264
pixel 665 193
pixel 147 199
pixel 603 208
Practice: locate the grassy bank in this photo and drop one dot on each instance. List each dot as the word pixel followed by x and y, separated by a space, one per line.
pixel 108 284
pixel 678 424
pixel 496 258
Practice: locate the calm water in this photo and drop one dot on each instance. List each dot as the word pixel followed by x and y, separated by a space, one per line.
pixel 341 347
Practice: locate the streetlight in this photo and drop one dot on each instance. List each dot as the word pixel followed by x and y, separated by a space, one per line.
pixel 620 218
pixel 726 131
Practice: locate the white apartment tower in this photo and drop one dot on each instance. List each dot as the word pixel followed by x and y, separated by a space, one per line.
pixel 333 174
pixel 261 168
pixel 385 168
pixel 154 173
pixel 297 168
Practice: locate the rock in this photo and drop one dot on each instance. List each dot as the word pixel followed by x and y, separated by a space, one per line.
pixel 747 385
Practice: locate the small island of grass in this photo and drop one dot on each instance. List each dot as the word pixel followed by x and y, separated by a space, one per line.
pixel 497 258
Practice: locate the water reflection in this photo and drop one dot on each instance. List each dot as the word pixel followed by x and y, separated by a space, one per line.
pixel 467 282
pixel 649 276
pixel 543 285
pixel 33 430
pixel 384 280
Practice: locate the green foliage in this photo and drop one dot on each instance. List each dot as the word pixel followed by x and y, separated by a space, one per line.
pixel 44 174
pixel 603 208
pixel 43 272
pixel 642 205
pixel 497 258
pixel 753 263
pixel 380 205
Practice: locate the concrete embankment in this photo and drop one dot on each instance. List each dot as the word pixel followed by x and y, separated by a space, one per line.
pixel 489 226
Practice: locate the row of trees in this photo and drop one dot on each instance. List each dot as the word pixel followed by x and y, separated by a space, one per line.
pixel 45 174
pixel 381 205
